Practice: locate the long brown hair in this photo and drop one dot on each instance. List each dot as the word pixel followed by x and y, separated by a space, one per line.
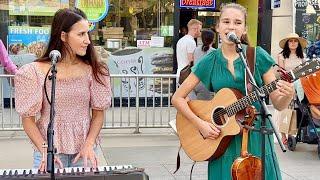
pixel 244 38
pixel 63 20
pixel 286 50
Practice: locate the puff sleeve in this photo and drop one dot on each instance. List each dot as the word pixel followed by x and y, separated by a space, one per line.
pixel 100 95
pixel 28 91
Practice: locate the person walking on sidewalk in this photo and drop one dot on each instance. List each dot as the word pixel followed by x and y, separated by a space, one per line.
pixel 186 45
pixel 223 68
pixel 82 84
pixel 290 57
pixel 207 38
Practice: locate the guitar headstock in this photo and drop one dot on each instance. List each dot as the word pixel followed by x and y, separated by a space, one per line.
pixel 304 69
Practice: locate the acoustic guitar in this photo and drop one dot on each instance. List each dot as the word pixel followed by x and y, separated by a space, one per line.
pixel 247 166
pixel 225 111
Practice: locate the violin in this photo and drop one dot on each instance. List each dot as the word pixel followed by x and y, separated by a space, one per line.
pixel 247 166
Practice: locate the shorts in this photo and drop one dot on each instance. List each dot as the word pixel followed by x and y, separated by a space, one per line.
pixel 66 160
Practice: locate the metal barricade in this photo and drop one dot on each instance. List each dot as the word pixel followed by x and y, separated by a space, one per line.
pixel 138 101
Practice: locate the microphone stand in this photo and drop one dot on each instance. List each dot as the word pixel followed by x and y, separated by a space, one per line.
pixel 264 113
pixel 50 131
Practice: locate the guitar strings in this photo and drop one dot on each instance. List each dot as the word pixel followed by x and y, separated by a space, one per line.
pixel 231 108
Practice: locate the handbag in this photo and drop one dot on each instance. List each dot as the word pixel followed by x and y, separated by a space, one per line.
pixel 184 73
pixel 287 119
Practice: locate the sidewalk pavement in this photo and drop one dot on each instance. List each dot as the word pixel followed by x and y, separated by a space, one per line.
pixel 156 150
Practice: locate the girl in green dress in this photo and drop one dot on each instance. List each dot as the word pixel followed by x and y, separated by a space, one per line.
pixel 223 68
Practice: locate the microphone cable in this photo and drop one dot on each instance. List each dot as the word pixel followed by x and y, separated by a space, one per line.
pixel 45 85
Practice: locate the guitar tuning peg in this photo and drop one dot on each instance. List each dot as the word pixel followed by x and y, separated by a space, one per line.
pixel 307 59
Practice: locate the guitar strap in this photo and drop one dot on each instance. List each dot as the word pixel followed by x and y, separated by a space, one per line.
pixel 251 61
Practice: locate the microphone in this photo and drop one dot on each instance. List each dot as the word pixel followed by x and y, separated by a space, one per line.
pixel 54 55
pixel 233 38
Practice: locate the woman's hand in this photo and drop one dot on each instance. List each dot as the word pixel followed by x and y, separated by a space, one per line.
pixel 86 153
pixel 209 130
pixel 43 164
pixel 285 88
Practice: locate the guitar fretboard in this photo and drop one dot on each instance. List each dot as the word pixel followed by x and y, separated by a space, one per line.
pixel 253 96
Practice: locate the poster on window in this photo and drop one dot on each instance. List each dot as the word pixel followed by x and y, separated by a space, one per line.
pixel 36 7
pixel 307 19
pixel 136 61
pixel 26 43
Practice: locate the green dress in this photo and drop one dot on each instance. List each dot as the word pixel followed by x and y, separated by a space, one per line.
pixel 213 73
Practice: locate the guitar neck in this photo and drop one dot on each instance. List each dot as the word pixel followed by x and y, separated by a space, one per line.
pixel 253 96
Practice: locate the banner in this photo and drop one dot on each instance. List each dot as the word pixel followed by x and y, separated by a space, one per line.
pixel 141 61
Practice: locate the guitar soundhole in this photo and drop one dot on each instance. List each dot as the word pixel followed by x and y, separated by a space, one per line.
pixel 218 116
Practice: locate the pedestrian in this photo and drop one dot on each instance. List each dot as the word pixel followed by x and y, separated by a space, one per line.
pixel 207 38
pixel 5 61
pixel 314 49
pixel 290 57
pixel 186 45
pixel 82 84
pixel 223 68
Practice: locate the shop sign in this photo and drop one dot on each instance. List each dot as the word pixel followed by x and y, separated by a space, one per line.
pixel 166 30
pixel 143 43
pixel 301 4
pixel 210 4
pixel 36 7
pixel 157 41
pixel 26 39
pixel 95 10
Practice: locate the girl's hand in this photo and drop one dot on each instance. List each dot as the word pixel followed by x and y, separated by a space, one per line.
pixel 86 153
pixel 43 164
pixel 285 88
pixel 208 130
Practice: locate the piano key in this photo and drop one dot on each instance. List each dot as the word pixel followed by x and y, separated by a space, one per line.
pixel 101 168
pixel 34 171
pixel 68 170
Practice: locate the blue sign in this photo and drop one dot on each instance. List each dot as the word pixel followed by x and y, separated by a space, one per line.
pixel 26 39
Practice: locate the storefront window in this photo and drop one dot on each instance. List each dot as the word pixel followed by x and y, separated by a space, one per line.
pixel 134 22
pixel 307 19
pixel 127 23
pixel 132 36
